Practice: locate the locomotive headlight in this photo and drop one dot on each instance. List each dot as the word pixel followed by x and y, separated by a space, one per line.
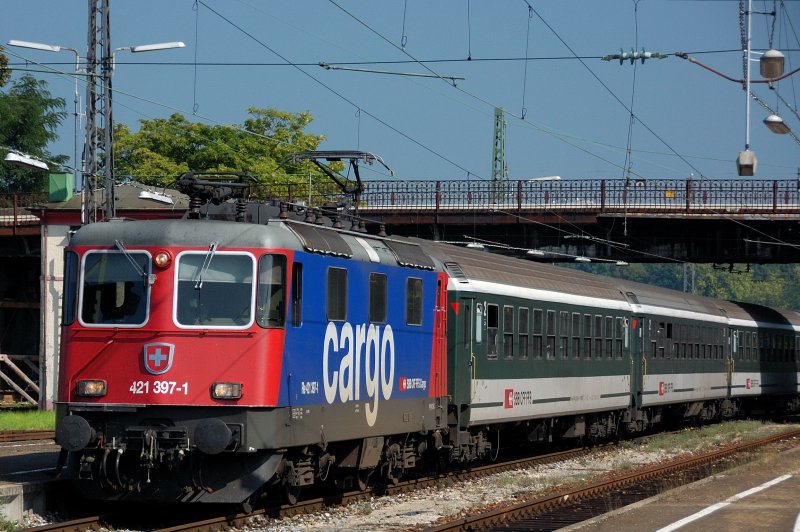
pixel 162 259
pixel 226 390
pixel 92 388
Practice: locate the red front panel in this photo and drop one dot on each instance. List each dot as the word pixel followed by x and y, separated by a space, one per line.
pixel 159 363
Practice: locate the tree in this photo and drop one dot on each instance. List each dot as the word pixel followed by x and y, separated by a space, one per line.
pixel 5 72
pixel 164 148
pixel 29 118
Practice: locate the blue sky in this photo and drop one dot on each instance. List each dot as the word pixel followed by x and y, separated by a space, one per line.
pixel 689 121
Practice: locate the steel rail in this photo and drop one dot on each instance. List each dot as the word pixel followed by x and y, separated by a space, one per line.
pixel 527 509
pixel 8 436
pixel 314 505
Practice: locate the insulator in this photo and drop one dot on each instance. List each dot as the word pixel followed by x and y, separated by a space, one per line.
pixel 320 220
pixel 362 227
pixel 194 207
pixel 337 222
pixel 382 232
pixel 309 216
pixel 354 226
pixel 241 210
pixel 284 215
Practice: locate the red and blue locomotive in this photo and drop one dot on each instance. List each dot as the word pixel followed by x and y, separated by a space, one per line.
pixel 206 360
pixel 277 351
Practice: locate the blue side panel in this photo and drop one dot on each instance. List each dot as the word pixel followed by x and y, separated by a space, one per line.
pixel 337 362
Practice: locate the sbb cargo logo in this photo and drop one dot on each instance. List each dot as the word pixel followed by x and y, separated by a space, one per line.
pixel 513 398
pixel 408 383
pixel 509 398
pixel 366 358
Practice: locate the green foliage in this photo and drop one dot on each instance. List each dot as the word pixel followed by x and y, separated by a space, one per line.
pixel 29 118
pixel 700 439
pixel 164 148
pixel 8 526
pixel 27 420
pixel 5 72
pixel 774 285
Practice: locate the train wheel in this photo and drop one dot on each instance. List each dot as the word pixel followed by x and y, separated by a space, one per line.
pixel 362 479
pixel 291 494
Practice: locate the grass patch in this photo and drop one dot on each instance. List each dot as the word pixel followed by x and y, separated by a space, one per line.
pixel 8 526
pixel 27 420
pixel 702 438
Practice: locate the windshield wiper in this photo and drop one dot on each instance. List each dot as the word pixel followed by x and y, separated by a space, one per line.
pixel 206 264
pixel 148 278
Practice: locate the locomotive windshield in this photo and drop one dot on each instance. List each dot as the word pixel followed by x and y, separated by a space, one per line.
pixel 115 288
pixel 215 290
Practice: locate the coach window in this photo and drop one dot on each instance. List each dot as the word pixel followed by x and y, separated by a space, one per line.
pixel 70 287
pixel 598 336
pixel 756 353
pixel 467 326
pixel 492 324
pixel 737 345
pixel 563 332
pixel 576 335
pixel 538 331
pixel 609 337
pixel 377 298
pixel 587 336
pixel 478 323
pixel 522 326
pixel 413 301
pixel 619 337
pixel 337 294
pixel 215 289
pixel 508 332
pixel 270 300
pixel 550 326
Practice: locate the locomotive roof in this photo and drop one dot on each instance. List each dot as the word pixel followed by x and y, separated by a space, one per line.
pixel 189 233
pixel 275 234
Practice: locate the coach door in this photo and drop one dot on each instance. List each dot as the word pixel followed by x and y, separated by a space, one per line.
pixel 461 346
pixel 439 366
pixel 632 333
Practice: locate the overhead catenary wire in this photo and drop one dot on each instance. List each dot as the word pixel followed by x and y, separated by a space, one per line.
pixel 438 75
pixel 332 90
pixel 134 97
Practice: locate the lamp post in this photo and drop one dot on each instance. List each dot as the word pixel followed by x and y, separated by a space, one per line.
pixel 56 48
pixel 771 63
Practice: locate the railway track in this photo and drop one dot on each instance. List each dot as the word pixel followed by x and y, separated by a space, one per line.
pixel 540 513
pixel 216 523
pixel 574 505
pixel 7 436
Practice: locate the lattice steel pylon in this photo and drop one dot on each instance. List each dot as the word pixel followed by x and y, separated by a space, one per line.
pixel 98 159
pixel 499 167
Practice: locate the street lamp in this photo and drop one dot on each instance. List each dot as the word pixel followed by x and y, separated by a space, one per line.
pixel 25 161
pixel 776 124
pixel 771 67
pixel 152 47
pixel 57 48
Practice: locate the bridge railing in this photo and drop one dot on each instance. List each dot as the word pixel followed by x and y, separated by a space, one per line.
pixel 592 195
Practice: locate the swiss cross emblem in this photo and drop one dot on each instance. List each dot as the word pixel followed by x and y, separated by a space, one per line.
pixel 509 398
pixel 158 357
